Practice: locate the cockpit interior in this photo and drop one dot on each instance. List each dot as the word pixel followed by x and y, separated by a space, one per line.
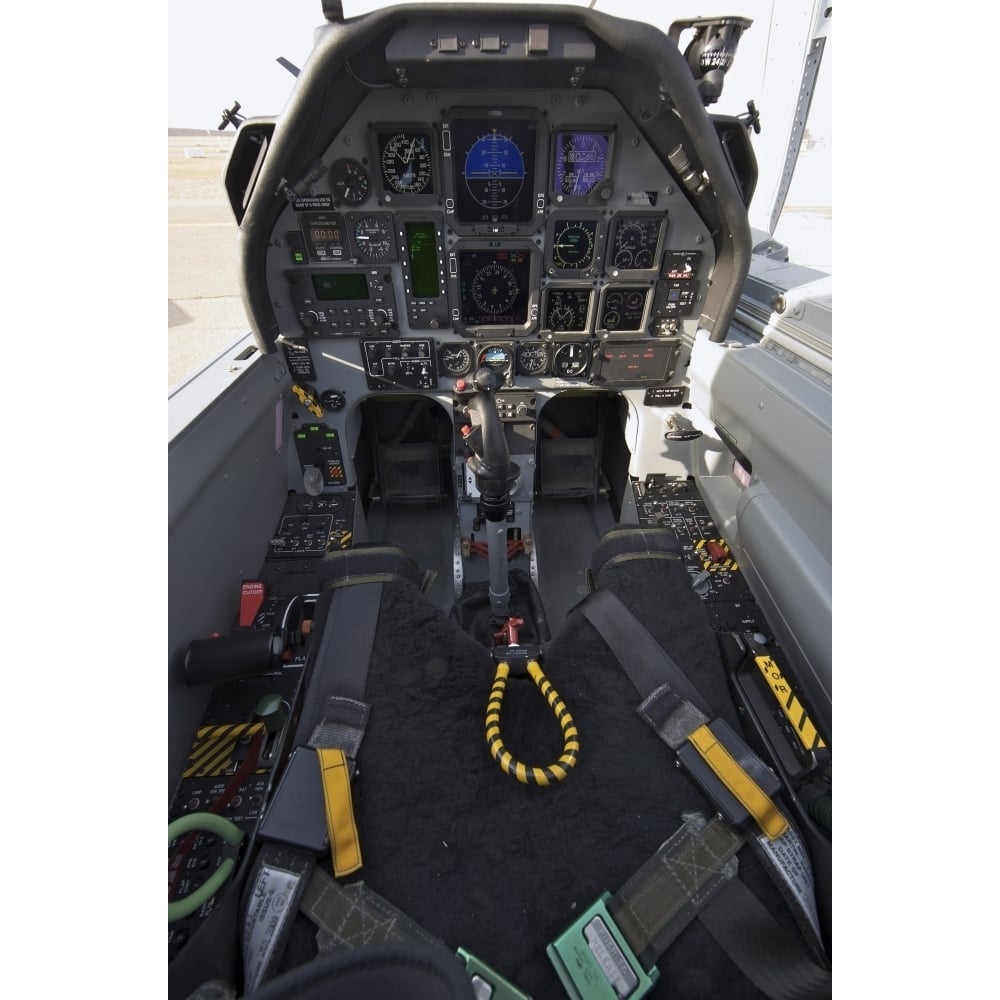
pixel 516 519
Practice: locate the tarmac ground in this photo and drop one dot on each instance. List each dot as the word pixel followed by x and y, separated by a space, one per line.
pixel 204 308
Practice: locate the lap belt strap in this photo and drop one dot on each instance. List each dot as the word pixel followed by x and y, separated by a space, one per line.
pixel 354 916
pixel 742 787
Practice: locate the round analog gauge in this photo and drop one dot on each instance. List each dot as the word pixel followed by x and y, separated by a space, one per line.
pixel 350 182
pixel 532 359
pixel 332 400
pixel 497 356
pixel 571 359
pixel 406 162
pixel 573 244
pixel 373 237
pixel 635 243
pixel 455 359
pixel 567 308
pixel 581 161
pixel 494 170
pixel 494 289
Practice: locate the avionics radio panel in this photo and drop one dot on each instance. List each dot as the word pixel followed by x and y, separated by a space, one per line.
pixel 349 302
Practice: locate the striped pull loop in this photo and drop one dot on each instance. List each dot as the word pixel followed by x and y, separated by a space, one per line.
pixel 571 746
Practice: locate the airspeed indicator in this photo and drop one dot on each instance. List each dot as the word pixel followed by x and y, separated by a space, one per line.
pixel 406 162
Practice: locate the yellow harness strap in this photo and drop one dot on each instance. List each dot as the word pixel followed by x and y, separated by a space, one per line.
pixel 746 790
pixel 345 849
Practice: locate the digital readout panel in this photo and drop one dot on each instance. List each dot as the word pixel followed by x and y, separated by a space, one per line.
pixel 495 170
pixel 494 286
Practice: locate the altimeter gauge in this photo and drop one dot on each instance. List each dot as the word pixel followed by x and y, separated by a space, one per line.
pixel 580 163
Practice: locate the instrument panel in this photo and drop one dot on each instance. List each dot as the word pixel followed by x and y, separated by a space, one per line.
pixel 521 236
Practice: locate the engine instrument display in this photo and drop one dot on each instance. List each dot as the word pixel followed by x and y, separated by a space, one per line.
pixel 580 162
pixel 494 286
pixel 567 309
pixel 623 309
pixel 406 161
pixel 634 242
pixel 573 244
pixel 495 166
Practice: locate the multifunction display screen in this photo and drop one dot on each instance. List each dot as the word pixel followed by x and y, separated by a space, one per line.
pixel 495 170
pixel 421 249
pixel 494 286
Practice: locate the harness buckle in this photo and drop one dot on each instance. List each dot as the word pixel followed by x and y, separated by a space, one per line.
pixel 595 962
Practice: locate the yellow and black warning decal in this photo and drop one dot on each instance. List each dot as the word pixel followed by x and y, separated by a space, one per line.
pixel 215 746
pixel 526 774
pixel 715 555
pixel 790 704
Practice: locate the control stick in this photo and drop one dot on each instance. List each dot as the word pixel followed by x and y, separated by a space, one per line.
pixel 496 477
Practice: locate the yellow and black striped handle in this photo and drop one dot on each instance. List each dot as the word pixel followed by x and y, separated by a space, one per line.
pixel 571 745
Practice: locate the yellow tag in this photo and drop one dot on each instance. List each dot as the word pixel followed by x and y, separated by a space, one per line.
pixel 345 849
pixel 750 795
pixel 790 705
